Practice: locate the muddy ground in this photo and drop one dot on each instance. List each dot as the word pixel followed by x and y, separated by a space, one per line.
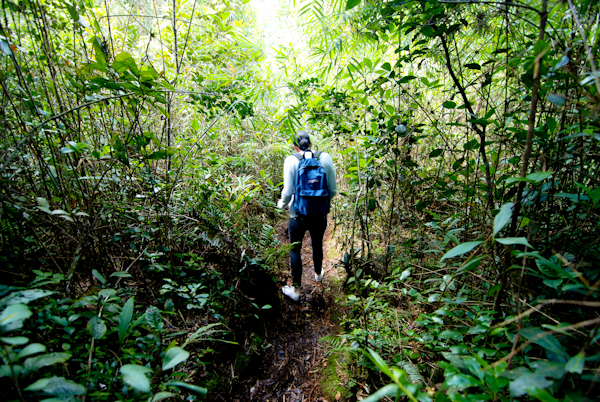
pixel 290 369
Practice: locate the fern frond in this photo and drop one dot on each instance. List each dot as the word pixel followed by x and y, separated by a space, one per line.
pixel 412 372
pixel 333 341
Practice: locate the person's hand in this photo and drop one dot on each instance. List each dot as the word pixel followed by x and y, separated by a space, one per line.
pixel 280 204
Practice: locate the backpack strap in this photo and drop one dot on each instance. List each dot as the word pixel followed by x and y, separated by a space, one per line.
pixel 299 156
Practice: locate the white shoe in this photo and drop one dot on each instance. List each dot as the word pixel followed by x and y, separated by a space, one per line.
pixel 291 292
pixel 319 277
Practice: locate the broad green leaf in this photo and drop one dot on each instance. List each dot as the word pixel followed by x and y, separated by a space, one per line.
pixel 5 47
pixel 57 386
pixel 545 340
pixel 562 62
pixel 83 22
pixel 379 362
pixel 456 360
pixel 538 176
pixel 121 274
pixel 449 105
pixel 15 340
pixel 14 314
pixel 160 396
pixel 8 370
pixel 449 334
pixel 99 276
pixel 436 152
pixel 511 180
pixel 523 381
pixel 541 394
pixel 350 4
pixel 39 385
pixel 477 329
pixel 473 144
pixel 594 358
pixel 509 241
pixel 462 381
pixel 461 249
pixel 190 387
pixel 148 73
pixel 473 66
pixel 556 99
pixel 106 293
pixel 123 62
pixel 428 31
pixel 576 363
pixel 31 350
pixel 96 327
pixel 73 11
pixel 471 264
pixel 400 129
pixel 405 274
pixel 548 368
pixel 98 51
pixel 503 217
pixel 134 375
pixel 551 123
pixel 388 390
pixel 125 318
pixel 36 363
pixel 553 283
pixel 406 78
pixel 371 205
pixel 173 357
pixel 43 202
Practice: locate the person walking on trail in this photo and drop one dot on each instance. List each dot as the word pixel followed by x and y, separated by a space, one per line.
pixel 309 184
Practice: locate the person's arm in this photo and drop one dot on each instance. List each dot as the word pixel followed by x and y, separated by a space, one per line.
pixel 288 182
pixel 327 163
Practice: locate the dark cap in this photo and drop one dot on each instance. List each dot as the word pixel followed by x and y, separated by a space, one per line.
pixel 302 140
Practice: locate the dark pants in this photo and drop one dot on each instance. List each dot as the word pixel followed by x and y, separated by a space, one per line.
pixel 297 228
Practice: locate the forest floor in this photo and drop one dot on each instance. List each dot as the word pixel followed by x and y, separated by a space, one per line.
pixel 291 369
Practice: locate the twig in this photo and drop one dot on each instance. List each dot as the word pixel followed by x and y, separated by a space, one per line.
pixel 588 51
pixel 539 336
pixel 541 305
pixel 48 120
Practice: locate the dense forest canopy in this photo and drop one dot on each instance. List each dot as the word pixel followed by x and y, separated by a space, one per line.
pixel 141 158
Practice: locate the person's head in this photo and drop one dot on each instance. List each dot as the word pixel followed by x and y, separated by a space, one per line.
pixel 302 141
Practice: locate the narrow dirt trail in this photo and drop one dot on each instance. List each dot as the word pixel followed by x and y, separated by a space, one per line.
pixel 290 368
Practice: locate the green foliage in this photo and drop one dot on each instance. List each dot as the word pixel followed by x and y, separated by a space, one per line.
pixel 482 208
pixel 90 354
pixel 144 153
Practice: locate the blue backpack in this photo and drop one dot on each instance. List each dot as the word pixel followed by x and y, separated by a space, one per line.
pixel 312 194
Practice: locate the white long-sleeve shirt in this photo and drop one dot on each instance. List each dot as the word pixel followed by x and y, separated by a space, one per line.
pixel 290 171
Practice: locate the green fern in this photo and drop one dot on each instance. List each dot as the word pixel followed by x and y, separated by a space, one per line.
pixel 412 372
pixel 267 238
pixel 335 342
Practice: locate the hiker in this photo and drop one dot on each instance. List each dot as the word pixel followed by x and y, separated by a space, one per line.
pixel 306 213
